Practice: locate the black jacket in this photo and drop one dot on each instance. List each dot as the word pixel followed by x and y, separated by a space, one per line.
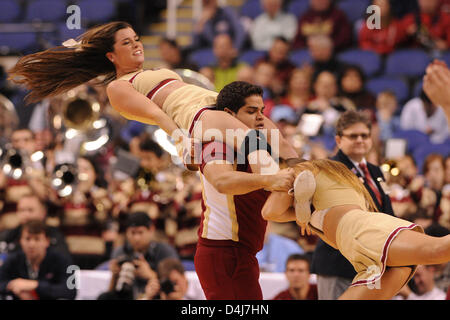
pixel 328 261
pixel 53 275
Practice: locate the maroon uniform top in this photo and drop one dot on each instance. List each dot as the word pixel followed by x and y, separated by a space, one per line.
pixel 230 219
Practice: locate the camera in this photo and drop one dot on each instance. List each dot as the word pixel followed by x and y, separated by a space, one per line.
pixel 128 257
pixel 167 286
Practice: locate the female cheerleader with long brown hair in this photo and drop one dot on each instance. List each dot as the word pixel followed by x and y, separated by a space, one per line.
pixel 112 54
pixel 384 250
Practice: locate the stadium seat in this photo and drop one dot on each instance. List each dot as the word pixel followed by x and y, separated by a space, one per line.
pixel 18 41
pixel 251 9
pixel 414 139
pixel 298 7
pixel 446 58
pixel 251 56
pixel 65 33
pixel 423 151
pixel 46 11
pixel 300 57
pixel 407 62
pixel 9 11
pixel 368 61
pixel 354 9
pixel 203 57
pixel 380 84
pixel 97 11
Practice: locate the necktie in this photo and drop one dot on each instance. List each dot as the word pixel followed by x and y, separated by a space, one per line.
pixel 370 182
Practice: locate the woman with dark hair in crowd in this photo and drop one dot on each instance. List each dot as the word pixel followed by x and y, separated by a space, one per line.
pixel 352 86
pixel 113 55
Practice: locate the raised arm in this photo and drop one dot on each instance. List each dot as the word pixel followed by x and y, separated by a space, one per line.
pixel 125 99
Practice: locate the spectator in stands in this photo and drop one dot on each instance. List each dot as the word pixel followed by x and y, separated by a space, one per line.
pixel 387 120
pixel 352 86
pixel 272 23
pixel 321 50
pixel 422 114
pixel 276 250
pixel 226 68
pixel 327 102
pixel 444 206
pixel 386 39
pixel 298 92
pixel 434 173
pixel 135 263
pixel 402 202
pixel 425 286
pixel 172 283
pixel 429 27
pixel 263 76
pixel 216 20
pixel 31 207
pixel 173 56
pixel 278 56
pixel 37 272
pixel 298 275
pixel 323 17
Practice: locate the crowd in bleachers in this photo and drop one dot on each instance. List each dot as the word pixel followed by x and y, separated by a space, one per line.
pixel 314 60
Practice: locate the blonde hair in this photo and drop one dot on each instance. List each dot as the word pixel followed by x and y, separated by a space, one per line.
pixel 339 172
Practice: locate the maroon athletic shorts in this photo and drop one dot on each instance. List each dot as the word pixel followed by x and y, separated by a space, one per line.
pixel 228 273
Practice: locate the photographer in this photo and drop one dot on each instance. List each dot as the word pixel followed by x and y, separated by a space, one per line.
pixel 133 264
pixel 172 283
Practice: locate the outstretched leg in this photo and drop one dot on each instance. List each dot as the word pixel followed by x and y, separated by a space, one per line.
pixel 390 284
pixel 413 248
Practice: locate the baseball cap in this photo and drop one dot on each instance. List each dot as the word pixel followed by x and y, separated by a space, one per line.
pixel 283 112
pixel 138 219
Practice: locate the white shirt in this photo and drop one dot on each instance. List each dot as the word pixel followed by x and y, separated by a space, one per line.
pixel 413 117
pixel 264 29
pixel 435 294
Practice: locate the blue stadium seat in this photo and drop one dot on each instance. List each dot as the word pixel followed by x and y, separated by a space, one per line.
pixel 380 84
pixel 298 7
pixel 251 9
pixel 414 139
pixel 354 10
pixel 423 151
pixel 300 57
pixel 251 56
pixel 446 58
pixel 368 61
pixel 46 11
pixel 9 11
pixel 97 11
pixel 203 57
pixel 407 62
pixel 18 41
pixel 64 33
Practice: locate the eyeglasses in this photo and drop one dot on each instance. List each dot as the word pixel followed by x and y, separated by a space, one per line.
pixel 354 136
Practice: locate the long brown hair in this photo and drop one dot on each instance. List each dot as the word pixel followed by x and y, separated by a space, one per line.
pixel 339 172
pixel 57 70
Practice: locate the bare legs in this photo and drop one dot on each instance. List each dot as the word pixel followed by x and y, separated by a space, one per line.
pixel 219 125
pixel 390 284
pixel 408 248
pixel 412 248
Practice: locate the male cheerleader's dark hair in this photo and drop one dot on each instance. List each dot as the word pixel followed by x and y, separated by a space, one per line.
pixel 233 95
pixel 57 70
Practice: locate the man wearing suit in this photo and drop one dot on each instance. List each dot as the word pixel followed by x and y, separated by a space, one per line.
pixel 353 130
